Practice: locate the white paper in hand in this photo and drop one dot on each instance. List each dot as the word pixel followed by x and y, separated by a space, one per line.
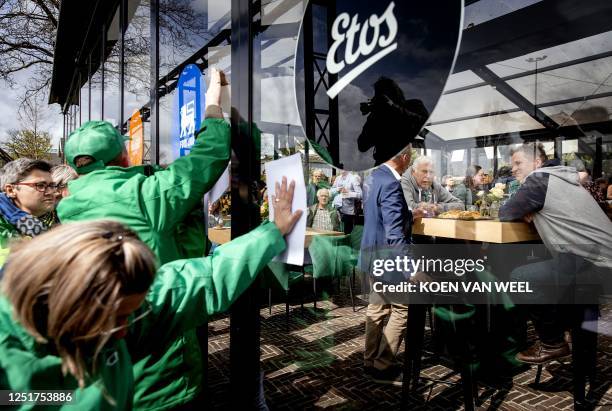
pixel 290 167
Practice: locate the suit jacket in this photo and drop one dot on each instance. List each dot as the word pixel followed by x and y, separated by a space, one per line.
pixel 388 221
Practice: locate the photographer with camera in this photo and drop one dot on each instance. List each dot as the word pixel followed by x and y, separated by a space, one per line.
pixel 392 122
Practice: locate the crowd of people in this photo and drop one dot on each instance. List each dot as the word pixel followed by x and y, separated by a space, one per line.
pixel 109 300
pixel 106 275
pixel 558 199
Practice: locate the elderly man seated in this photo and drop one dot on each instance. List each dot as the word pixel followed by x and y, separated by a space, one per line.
pixel 317 182
pixel 321 215
pixel 422 192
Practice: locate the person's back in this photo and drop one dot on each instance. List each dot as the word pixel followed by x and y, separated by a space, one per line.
pixel 566 216
pixel 154 205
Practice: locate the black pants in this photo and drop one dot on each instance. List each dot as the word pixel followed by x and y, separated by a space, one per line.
pixel 553 301
pixel 348 221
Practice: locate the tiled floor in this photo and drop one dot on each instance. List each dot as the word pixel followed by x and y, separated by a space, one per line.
pixel 316 363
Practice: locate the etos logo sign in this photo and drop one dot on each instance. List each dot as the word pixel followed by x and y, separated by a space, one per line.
pixel 369 73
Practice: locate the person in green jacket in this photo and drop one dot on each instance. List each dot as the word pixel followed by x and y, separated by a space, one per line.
pixel 75 319
pixel 159 205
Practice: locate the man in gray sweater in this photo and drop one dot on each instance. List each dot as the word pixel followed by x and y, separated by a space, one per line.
pixel 419 187
pixel 574 229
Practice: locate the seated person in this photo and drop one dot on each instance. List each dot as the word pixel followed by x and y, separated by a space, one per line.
pixel 448 183
pixel 317 182
pixel 586 181
pixel 321 215
pixel 421 191
pixel 574 230
pixel 473 182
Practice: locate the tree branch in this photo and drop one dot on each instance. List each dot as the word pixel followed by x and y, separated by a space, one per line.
pixel 48 12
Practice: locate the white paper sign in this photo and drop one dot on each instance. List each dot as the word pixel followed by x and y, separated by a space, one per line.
pixel 290 167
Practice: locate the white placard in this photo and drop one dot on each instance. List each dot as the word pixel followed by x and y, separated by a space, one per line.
pixel 290 167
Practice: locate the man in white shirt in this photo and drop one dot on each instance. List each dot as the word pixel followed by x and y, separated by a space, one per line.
pixel 346 192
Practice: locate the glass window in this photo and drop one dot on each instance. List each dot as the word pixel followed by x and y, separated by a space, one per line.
pixel 274 93
pixel 111 73
pixel 578 80
pixel 483 126
pixel 200 38
pixel 185 26
pixel 472 102
pixel 585 47
pixel 96 95
pixel 581 112
pixel 137 58
pixel 84 105
pixel 484 10
pixel 463 79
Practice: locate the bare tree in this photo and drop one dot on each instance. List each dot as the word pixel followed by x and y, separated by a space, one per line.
pixel 27 40
pixel 27 36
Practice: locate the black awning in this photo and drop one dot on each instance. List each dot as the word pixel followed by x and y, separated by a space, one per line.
pixel 79 34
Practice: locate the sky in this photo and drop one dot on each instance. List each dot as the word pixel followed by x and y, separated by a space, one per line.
pixel 52 120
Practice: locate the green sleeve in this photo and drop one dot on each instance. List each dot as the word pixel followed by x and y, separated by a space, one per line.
pixel 186 292
pixel 170 194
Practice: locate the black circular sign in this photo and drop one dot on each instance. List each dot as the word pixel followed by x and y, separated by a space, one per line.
pixel 369 73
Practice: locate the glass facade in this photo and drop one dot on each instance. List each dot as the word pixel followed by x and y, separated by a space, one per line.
pixel 557 94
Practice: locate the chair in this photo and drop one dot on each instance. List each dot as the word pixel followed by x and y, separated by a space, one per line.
pixel 584 346
pixel 278 274
pixel 355 239
pixel 415 332
pixel 331 258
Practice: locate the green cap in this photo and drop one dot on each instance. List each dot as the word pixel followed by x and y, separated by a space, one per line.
pixel 98 139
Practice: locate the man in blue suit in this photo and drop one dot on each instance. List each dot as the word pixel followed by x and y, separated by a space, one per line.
pixel 387 233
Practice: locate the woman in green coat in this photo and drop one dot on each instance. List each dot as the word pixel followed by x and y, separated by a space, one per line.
pixel 159 205
pixel 66 320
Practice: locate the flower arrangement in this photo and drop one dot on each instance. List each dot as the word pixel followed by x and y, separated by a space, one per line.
pixel 225 204
pixel 495 194
pixel 264 209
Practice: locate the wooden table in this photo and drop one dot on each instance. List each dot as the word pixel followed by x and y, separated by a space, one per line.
pixel 489 231
pixel 223 235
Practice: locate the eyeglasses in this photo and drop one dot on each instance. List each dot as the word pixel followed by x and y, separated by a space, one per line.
pixel 41 186
pixel 147 310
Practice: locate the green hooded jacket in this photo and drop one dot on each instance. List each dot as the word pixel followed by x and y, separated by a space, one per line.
pixel 184 294
pixel 7 233
pixel 153 206
pixel 159 207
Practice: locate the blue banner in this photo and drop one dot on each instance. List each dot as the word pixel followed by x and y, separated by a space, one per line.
pixel 191 103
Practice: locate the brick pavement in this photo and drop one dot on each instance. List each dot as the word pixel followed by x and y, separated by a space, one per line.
pixel 316 363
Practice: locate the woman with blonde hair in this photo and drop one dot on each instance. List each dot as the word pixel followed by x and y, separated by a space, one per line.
pixel 77 318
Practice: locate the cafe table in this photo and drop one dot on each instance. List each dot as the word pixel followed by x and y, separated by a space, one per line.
pixel 486 231
pixel 223 235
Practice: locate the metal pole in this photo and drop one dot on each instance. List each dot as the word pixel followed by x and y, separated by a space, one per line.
pixel 102 62
pixel 154 117
pixel 122 28
pixel 245 369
